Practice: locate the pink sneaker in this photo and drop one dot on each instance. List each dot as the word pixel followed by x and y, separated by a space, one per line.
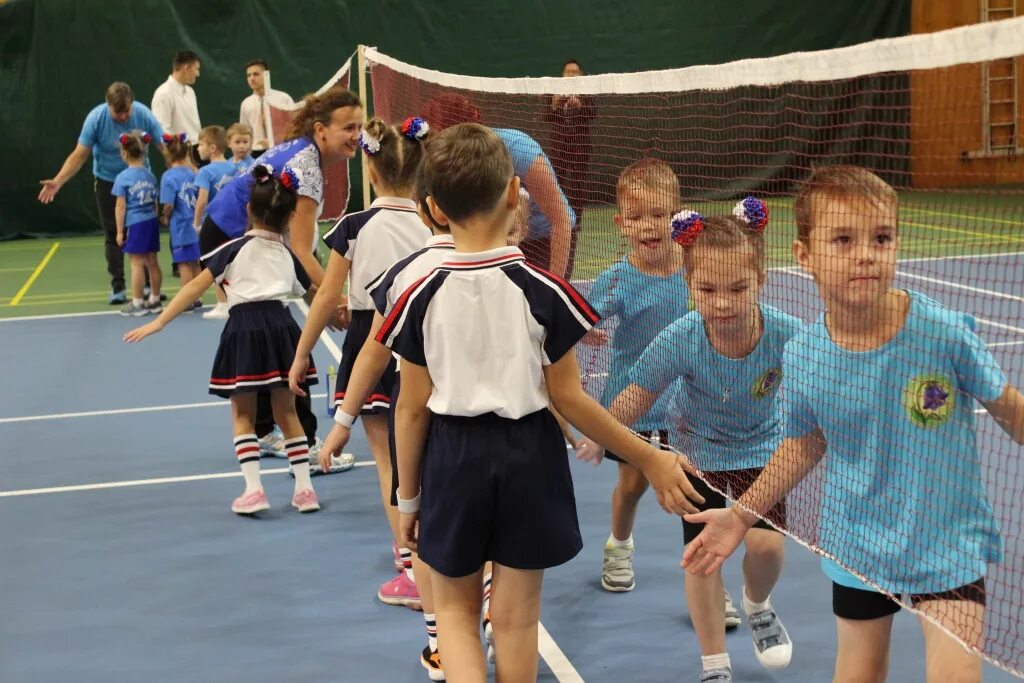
pixel 399 566
pixel 400 591
pixel 250 503
pixel 305 501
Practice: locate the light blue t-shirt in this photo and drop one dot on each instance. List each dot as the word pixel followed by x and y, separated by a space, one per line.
pixel 301 155
pixel 214 176
pixel 524 150
pixel 178 189
pixel 243 165
pixel 103 134
pixel 903 501
pixel 138 187
pixel 644 305
pixel 724 413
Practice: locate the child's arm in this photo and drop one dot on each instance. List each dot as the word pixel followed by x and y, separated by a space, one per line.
pixel 303 228
pixel 370 365
pixel 165 217
pixel 1008 411
pixel 725 528
pixel 181 301
pixel 324 307
pixel 564 426
pixel 630 405
pixel 120 209
pixel 201 201
pixel 663 469
pixel 412 419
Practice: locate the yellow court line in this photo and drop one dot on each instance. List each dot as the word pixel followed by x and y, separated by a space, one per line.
pixel 35 274
pixel 958 231
pixel 1019 224
pixel 13 270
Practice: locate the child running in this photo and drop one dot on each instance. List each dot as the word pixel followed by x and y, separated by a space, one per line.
pixel 723 360
pixel 646 291
pixel 178 195
pixel 881 387
pixel 258 273
pixel 486 343
pixel 138 229
pixel 363 245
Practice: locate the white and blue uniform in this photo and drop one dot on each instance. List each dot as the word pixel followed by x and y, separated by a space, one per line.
pixel 137 186
pixel 259 274
pixel 496 482
pixel 372 241
pixel 644 305
pixel 384 290
pixel 178 190
pixel 904 503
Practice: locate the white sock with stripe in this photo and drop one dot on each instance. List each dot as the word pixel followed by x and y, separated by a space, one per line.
pixel 247 450
pixel 406 556
pixel 431 622
pixel 297 450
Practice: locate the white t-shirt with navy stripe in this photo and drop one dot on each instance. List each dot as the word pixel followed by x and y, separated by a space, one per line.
pixel 373 240
pixel 385 289
pixel 257 267
pixel 485 324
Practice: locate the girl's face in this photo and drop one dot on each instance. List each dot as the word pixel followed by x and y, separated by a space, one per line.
pixel 645 219
pixel 851 250
pixel 339 140
pixel 725 283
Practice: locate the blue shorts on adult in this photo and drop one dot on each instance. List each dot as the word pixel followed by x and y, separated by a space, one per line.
pixel 186 253
pixel 142 237
pixel 496 489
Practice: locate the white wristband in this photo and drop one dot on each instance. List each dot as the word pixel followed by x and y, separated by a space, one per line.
pixel 343 418
pixel 409 506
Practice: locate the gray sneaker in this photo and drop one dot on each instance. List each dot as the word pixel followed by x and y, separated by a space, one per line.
pixel 272 445
pixel 342 462
pixel 772 645
pixel 716 676
pixel 153 307
pixel 617 569
pixel 732 615
pixel 130 309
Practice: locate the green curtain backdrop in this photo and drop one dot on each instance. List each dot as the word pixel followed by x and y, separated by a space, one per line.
pixel 58 56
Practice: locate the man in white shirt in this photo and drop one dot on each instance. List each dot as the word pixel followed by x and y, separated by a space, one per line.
pixel 174 102
pixel 252 109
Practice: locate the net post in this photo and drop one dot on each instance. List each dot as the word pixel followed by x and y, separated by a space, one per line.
pixel 361 67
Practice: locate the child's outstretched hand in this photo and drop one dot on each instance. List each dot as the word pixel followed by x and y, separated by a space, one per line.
pixel 140 333
pixel 723 532
pixel 333 445
pixel 588 451
pixel 595 337
pixel 297 374
pixel 408 528
pixel 667 474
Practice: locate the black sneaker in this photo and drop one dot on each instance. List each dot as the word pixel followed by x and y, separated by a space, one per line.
pixel 431 661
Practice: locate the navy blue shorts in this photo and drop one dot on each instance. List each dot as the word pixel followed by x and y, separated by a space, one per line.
pixel 142 237
pixel 186 253
pixel 379 401
pixel 392 448
pixel 497 489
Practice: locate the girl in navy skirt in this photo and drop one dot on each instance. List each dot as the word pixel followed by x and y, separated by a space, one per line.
pixel 364 245
pixel 258 273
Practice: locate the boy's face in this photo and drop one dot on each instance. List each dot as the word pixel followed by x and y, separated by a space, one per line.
pixel 724 283
pixel 240 145
pixel 205 149
pixel 851 250
pixel 645 218
pixel 254 77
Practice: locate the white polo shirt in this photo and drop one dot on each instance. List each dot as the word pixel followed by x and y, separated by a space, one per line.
pixel 177 110
pixel 251 112
pixel 485 324
pixel 373 240
pixel 385 289
pixel 257 267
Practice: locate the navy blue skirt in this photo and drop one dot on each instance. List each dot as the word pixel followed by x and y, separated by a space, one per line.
pixel 496 489
pixel 256 350
pixel 379 401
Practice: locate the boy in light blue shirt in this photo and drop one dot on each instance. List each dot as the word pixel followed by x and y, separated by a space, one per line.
pixel 881 390
pixel 214 175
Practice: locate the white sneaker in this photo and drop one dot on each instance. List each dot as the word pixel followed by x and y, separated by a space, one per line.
pixel 218 312
pixel 617 569
pixel 772 645
pixel 272 445
pixel 732 615
pixel 339 463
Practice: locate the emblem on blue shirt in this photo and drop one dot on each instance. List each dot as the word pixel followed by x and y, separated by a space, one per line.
pixel 929 400
pixel 766 383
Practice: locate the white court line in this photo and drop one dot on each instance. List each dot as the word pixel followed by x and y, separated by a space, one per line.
pixel 957 285
pixel 124 411
pixel 556 660
pixel 147 482
pixel 324 337
pixel 55 316
pixel 1013 343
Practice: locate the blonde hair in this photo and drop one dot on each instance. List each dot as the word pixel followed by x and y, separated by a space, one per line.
pixel 467 169
pixel 727 232
pixel 239 129
pixel 647 175
pixel 398 159
pixel 837 182
pixel 214 135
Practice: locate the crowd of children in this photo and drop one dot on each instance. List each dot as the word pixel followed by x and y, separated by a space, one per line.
pixel 459 359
